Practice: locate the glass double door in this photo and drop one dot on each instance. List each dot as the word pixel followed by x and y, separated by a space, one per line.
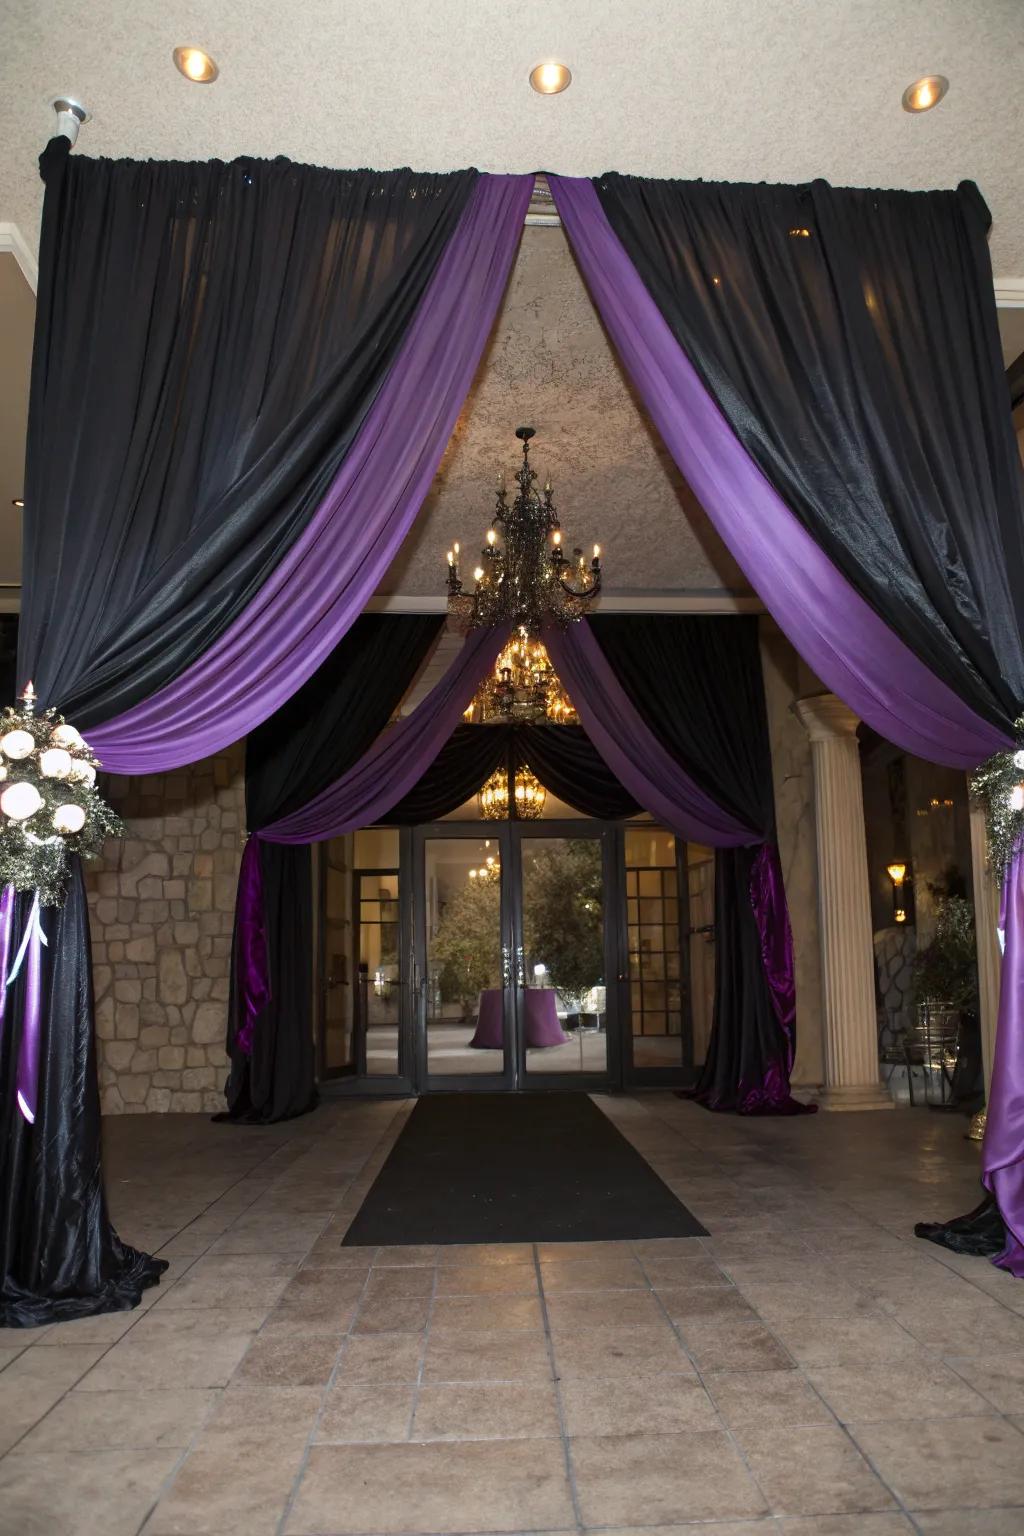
pixel 515 983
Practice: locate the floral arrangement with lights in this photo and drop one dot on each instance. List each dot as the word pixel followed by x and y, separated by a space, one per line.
pixel 49 805
pixel 999 785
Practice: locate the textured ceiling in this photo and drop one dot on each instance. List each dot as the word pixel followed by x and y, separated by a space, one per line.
pixel 550 366
pixel 783 90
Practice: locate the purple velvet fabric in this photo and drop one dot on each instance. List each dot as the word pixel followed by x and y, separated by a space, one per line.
pixel 636 757
pixel 326 579
pixel 850 648
pixel 768 899
pixel 250 959
pixel 1002 1153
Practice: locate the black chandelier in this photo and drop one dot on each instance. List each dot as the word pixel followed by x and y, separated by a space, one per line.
pixel 526 580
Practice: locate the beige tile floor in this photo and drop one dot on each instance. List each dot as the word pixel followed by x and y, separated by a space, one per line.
pixel 807 1370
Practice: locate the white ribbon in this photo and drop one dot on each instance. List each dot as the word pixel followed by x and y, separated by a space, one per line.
pixel 34 927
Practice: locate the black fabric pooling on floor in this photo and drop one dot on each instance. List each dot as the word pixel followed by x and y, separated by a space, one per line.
pixel 513 1168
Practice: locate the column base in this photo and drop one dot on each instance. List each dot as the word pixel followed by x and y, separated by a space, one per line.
pixel 859 1096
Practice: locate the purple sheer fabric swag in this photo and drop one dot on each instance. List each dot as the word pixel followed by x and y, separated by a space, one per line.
pixel 831 626
pixel 326 579
pixel 1002 1153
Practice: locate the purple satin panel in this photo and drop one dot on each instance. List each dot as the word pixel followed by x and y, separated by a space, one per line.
pixel 325 580
pixel 1002 1152
pixel 6 931
pixel 631 750
pixel 398 758
pixel 768 899
pixel 251 968
pixel 31 1025
pixel 850 648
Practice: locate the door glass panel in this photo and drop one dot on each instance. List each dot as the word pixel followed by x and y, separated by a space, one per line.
pixel 656 1014
pixel 465 1000
pixel 379 965
pixel 338 994
pixel 563 1004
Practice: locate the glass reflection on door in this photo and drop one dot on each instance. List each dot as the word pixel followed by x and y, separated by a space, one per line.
pixel 563 987
pixel 464 1007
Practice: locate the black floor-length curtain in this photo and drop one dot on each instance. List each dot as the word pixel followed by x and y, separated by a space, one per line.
pixel 698 683
pixel 850 339
pixel 305 746
pixel 561 756
pixel 208 340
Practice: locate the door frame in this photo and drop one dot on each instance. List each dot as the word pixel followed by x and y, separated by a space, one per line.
pixel 510 836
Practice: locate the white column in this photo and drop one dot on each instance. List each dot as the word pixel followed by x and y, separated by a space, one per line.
pixel 986 916
pixel 844 907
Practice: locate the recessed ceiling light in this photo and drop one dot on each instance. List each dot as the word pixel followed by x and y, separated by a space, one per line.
pixel 16 501
pixel 925 93
pixel 196 65
pixel 550 79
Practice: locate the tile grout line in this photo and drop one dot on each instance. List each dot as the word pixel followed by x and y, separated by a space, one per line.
pixel 570 1470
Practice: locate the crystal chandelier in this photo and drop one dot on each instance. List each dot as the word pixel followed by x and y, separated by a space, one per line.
pixel 523 687
pixel 526 580
pixel 528 791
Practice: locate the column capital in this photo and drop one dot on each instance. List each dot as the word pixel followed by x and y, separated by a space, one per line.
pixel 826 718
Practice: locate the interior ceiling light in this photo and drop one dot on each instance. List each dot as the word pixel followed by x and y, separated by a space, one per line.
pixel 925 93
pixel 17 502
pixel 196 65
pixel 550 79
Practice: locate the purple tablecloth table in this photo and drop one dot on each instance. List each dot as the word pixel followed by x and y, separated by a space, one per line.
pixel 542 1026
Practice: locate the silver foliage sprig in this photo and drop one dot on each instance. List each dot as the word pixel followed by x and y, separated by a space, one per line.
pixel 998 783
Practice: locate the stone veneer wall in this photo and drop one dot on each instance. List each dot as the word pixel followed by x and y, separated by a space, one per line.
pixel 161 908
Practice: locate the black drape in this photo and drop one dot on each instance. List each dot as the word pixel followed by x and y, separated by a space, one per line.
pixel 850 339
pixel 208 340
pixel 561 756
pixel 59 1256
pixel 311 741
pixel 698 684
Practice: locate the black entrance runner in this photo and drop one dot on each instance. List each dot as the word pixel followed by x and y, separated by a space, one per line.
pixel 497 1168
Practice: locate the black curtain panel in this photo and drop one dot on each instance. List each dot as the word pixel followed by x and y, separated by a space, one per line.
pixel 850 339
pixel 208 340
pixel 561 756
pixel 59 1256
pixel 311 741
pixel 698 683
pixel 568 764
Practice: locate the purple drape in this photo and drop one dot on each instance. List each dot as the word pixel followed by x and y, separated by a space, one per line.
pixel 850 648
pixel 326 579
pixel 768 899
pixel 1002 1153
pixel 631 750
pixel 398 758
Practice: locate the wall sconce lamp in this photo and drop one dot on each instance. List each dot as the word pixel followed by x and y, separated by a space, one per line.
pixel 897 874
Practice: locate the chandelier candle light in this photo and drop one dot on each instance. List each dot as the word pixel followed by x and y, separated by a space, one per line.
pixel 524 580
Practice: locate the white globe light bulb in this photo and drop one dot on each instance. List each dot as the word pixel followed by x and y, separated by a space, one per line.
pixel 17 744
pixel 69 819
pixel 20 801
pixel 82 772
pixel 65 736
pixel 55 763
